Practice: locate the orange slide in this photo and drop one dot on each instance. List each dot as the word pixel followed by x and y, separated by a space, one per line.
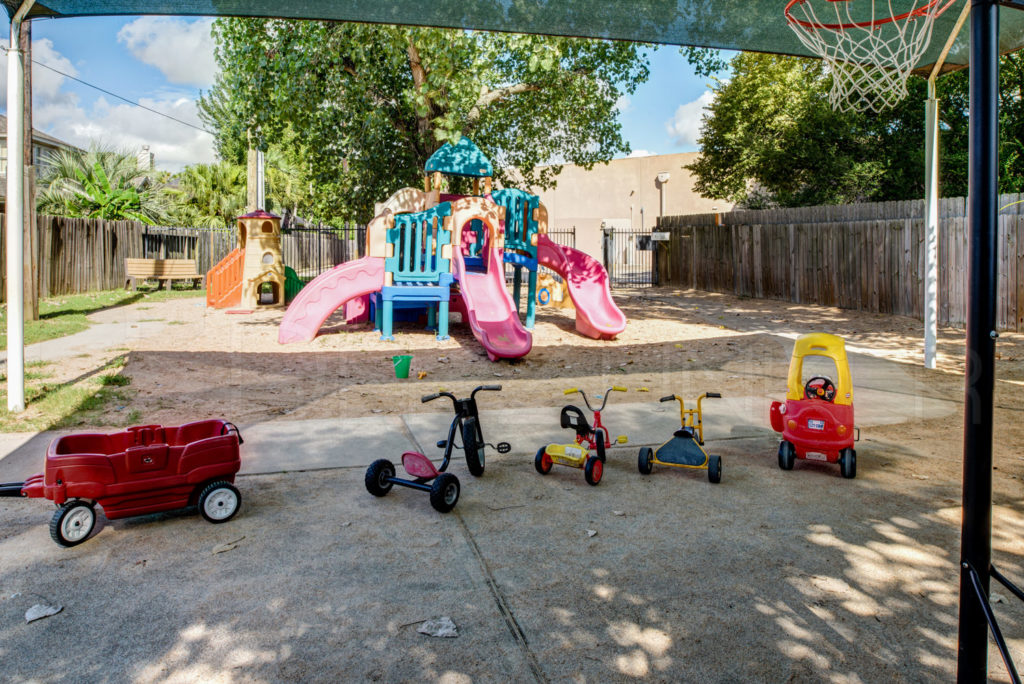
pixel 224 281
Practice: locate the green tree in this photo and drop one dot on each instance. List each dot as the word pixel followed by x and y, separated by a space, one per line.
pixel 370 103
pixel 101 183
pixel 209 195
pixel 771 138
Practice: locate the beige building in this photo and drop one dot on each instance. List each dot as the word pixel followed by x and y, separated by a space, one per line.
pixel 627 194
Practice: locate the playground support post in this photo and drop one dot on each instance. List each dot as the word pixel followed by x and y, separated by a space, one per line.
pixel 16 215
pixel 982 212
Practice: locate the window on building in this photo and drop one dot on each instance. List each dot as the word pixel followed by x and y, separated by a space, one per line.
pixel 3 160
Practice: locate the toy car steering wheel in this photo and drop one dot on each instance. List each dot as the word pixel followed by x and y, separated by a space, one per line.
pixel 820 387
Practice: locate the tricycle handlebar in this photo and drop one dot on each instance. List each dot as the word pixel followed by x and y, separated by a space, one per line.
pixel 432 397
pixel 712 395
pixel 670 397
pixel 485 388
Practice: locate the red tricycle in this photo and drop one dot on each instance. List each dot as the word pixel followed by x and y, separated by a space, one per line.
pixel 143 469
pixel 816 421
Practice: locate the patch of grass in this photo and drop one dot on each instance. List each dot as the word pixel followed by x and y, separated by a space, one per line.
pixel 62 316
pixel 53 405
pixel 114 380
pixel 177 322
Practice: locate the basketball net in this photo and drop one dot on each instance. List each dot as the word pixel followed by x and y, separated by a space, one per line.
pixel 871 54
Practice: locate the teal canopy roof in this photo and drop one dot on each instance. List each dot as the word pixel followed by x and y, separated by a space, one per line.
pixel 756 25
pixel 461 159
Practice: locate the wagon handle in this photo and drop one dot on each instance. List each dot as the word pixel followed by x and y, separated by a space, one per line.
pixel 11 488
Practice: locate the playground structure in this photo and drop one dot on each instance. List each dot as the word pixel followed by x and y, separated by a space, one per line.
pixel 446 251
pixel 254 268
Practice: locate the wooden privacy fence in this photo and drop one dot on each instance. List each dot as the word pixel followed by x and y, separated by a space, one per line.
pixel 87 255
pixel 868 257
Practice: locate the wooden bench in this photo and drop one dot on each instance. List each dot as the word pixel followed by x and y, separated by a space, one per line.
pixel 160 269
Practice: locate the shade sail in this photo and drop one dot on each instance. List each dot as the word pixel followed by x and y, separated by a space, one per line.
pixel 755 25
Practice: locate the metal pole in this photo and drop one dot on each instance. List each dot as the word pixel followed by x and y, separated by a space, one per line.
pixel 982 214
pixel 931 223
pixel 16 216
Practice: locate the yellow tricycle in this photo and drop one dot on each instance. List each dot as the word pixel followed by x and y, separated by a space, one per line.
pixel 686 448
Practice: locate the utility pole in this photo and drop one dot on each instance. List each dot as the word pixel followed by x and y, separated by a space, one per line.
pixel 30 229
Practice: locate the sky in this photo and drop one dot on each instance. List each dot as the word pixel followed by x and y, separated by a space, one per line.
pixel 165 63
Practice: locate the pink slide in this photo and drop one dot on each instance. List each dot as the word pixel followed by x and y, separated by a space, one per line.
pixel 491 313
pixel 325 293
pixel 597 315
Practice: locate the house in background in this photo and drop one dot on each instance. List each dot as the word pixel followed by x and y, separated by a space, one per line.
pixel 43 147
pixel 624 196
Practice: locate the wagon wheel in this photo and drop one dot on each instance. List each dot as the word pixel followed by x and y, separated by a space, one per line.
pixel 72 523
pixel 219 502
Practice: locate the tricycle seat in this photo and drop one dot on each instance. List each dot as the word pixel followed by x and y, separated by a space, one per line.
pixel 418 465
pixel 573 418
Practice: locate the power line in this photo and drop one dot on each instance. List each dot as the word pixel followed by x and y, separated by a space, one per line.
pixel 120 97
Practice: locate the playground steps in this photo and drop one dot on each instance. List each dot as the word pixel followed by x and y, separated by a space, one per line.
pixel 224 281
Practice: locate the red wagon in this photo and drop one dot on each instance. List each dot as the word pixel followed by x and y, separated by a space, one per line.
pixel 141 470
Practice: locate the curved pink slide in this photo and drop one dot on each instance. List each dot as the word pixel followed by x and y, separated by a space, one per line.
pixel 325 293
pixel 491 313
pixel 597 315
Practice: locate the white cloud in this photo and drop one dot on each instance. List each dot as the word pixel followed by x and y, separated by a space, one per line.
pixel 181 49
pixel 47 95
pixel 623 104
pixel 121 125
pixel 684 126
pixel 640 153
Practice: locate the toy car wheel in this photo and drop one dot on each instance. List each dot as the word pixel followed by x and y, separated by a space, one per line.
pixel 219 502
pixel 72 523
pixel 471 445
pixel 444 493
pixel 593 470
pixel 787 455
pixel 714 469
pixel 542 462
pixel 848 463
pixel 645 461
pixel 378 477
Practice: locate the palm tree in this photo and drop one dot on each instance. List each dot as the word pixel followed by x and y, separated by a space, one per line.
pixel 101 183
pixel 209 195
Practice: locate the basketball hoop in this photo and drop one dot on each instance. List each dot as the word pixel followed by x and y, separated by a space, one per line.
pixel 870 46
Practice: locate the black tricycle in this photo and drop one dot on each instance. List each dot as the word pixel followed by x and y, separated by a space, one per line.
pixel 443 487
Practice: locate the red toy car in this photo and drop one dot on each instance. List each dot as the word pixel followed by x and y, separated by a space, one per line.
pixel 144 469
pixel 816 421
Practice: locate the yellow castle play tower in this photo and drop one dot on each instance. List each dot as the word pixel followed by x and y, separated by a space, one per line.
pixel 259 235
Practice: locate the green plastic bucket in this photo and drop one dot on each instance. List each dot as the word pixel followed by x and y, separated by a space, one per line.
pixel 402 364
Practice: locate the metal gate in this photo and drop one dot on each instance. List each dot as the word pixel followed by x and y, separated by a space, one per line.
pixel 628 256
